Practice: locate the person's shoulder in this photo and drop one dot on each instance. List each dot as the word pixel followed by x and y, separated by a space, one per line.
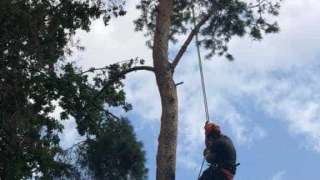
pixel 223 136
pixel 225 139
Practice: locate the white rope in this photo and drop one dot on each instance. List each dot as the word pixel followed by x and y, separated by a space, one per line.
pixel 203 86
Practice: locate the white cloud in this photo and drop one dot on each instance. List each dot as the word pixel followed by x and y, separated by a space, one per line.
pixel 113 43
pixel 142 92
pixel 70 135
pixel 293 100
pixel 279 175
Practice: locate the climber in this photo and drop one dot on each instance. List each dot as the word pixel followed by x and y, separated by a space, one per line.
pixel 219 153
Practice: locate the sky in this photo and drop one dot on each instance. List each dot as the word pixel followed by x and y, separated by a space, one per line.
pixel 267 100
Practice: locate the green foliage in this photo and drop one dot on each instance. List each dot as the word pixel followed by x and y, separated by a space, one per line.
pixel 34 37
pixel 228 18
pixel 114 153
pixel 85 98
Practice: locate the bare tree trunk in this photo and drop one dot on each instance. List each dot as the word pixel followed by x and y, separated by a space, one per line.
pixel 166 156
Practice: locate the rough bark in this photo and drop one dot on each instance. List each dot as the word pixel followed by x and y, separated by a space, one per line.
pixel 166 155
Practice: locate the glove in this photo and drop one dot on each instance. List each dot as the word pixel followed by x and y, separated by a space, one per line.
pixel 206 152
pixel 208 155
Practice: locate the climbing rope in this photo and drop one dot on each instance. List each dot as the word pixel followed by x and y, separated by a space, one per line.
pixel 203 86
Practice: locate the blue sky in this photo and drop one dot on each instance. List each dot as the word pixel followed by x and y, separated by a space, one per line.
pixel 267 100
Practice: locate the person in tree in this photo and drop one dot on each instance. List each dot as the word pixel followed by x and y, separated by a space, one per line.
pixel 220 153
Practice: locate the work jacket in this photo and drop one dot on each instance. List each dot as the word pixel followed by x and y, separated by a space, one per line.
pixel 221 152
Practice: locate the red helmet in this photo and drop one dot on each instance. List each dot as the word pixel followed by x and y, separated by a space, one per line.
pixel 211 128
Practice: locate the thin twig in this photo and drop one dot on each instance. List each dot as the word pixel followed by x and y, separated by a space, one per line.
pixel 112 115
pixel 257 5
pixel 94 69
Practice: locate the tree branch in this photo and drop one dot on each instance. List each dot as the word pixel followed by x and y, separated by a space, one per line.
pixel 93 69
pixel 188 41
pixel 114 79
pixel 257 5
pixel 112 115
pixel 132 61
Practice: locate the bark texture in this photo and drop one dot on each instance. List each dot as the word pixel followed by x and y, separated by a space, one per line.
pixel 166 155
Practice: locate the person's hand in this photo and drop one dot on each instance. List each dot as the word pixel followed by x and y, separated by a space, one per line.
pixel 206 152
pixel 209 156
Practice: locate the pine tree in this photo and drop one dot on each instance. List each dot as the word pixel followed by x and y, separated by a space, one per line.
pixel 217 21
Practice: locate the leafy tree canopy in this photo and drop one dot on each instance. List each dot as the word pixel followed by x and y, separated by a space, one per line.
pixel 113 154
pixel 222 20
pixel 34 39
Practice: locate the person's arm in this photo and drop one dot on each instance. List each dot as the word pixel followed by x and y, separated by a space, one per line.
pixel 209 155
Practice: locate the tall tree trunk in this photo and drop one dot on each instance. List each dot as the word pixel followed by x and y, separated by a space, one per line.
pixel 166 156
